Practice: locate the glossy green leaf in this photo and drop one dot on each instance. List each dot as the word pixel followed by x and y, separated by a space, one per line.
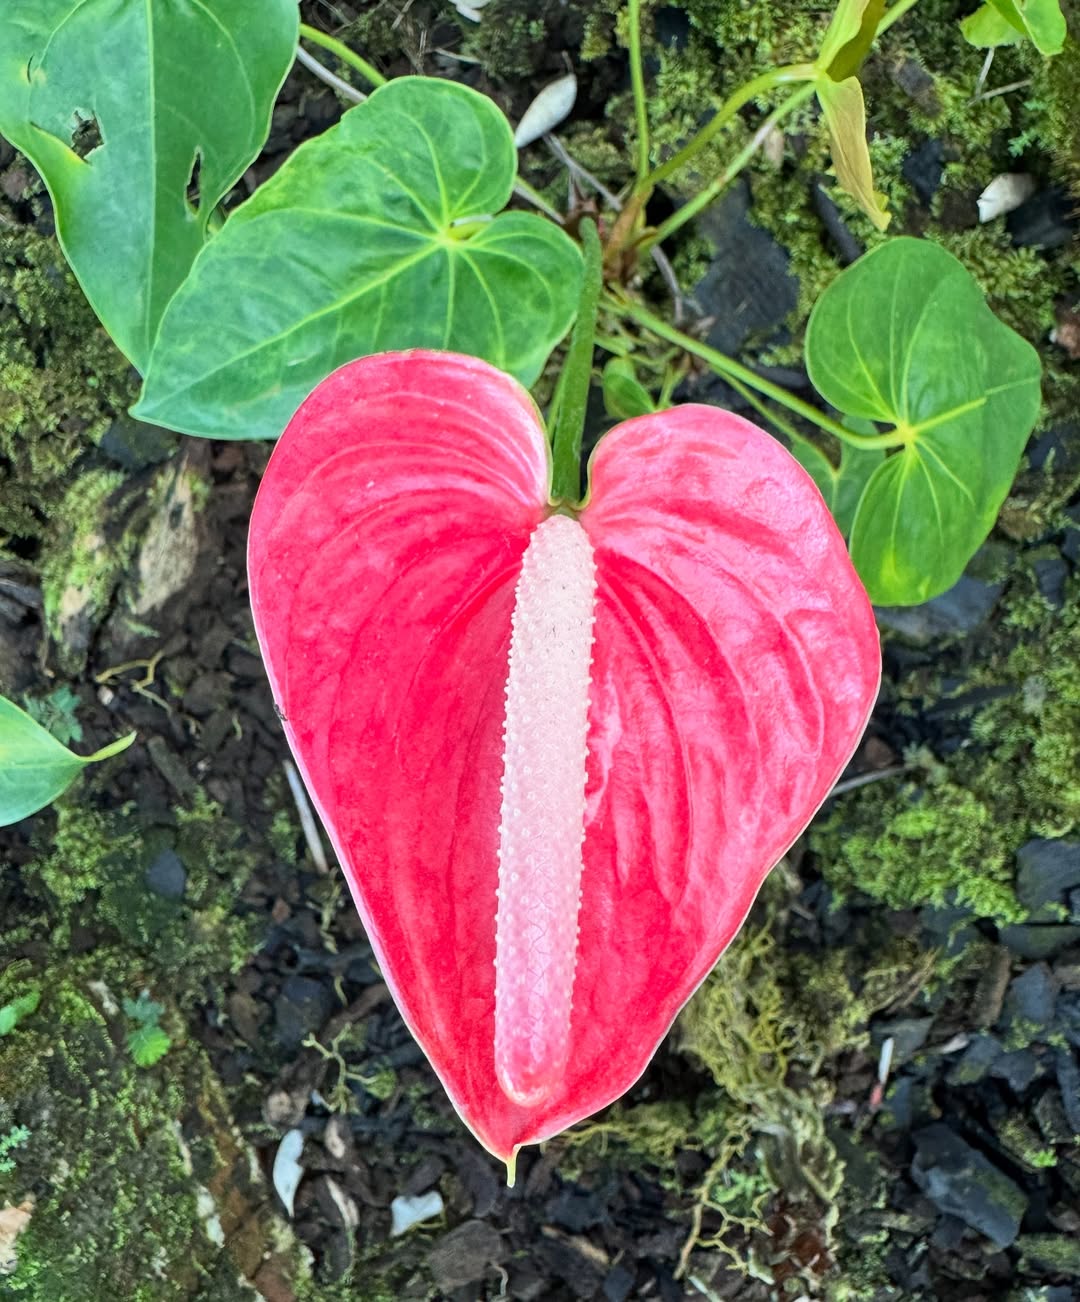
pixel 841 486
pixel 624 394
pixel 119 105
pixel 986 29
pixel 34 767
pixel 1040 20
pixel 904 338
pixel 378 235
pixel 849 36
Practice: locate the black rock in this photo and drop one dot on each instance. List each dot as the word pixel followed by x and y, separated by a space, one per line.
pixel 1017 1069
pixel 956 613
pixel 575 1210
pixel 961 1182
pixel 1046 872
pixel 1041 940
pixel 975 1062
pixel 464 1255
pixel 1028 1009
pixel 167 876
pixel 134 445
pixel 1042 222
pixel 908 1035
pixel 1051 574
pixel 618 1283
pixel 300 1009
pixel 748 287
pixel 923 169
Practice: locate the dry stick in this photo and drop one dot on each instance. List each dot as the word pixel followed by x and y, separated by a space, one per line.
pixel 307 818
pixel 659 257
pixel 331 78
pixel 864 779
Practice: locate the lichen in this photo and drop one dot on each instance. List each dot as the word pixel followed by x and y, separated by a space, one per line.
pixel 62 381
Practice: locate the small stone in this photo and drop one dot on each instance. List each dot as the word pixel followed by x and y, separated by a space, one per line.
pixel 923 169
pixel 300 1009
pixel 407 1212
pixel 1046 871
pixel 975 1064
pixel 1017 1069
pixel 167 876
pixel 1045 221
pixel 1051 575
pixel 961 1182
pixel 908 1035
pixel 464 1255
pixel 956 613
pixel 1028 1011
pixel 1039 941
pixel 575 1210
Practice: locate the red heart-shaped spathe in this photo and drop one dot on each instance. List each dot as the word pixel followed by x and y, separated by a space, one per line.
pixel 734 666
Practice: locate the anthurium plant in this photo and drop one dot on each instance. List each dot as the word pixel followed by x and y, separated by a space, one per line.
pixel 557 736
pixel 391 231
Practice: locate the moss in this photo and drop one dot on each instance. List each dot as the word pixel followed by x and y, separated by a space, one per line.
pixel 921 846
pixel 100 860
pixel 118 1210
pixel 62 381
pixel 509 43
pixel 956 839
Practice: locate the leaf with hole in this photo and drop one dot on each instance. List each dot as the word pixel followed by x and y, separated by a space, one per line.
pixel 904 337
pixel 120 107
pixel 380 234
pixel 34 767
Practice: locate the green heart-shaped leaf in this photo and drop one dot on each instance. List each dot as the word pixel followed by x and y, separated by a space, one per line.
pixel 378 235
pixel 119 106
pixel 905 337
pixel 841 486
pixel 34 767
pixel 1040 20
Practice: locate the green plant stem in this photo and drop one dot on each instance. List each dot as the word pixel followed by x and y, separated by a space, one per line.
pixel 572 395
pixel 779 422
pixel 729 368
pixel 331 43
pixel 893 14
pixel 705 197
pixel 637 80
pixel 751 90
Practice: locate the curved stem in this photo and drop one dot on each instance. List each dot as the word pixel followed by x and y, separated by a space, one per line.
pixel 751 90
pixel 705 197
pixel 779 422
pixel 572 394
pixel 729 368
pixel 637 79
pixel 893 14
pixel 331 43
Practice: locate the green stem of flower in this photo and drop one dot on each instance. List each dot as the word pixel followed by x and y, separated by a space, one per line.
pixel 760 85
pixel 729 368
pixel 331 43
pixel 637 80
pixel 894 13
pixel 705 197
pixel 778 422
pixel 567 417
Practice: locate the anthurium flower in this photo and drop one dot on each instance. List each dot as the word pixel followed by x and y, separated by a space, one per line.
pixel 557 750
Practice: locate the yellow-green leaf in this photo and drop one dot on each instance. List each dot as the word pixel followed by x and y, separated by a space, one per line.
pixel 845 112
pixel 987 28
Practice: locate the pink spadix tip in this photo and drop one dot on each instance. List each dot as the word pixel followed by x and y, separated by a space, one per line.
pixel 542 823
